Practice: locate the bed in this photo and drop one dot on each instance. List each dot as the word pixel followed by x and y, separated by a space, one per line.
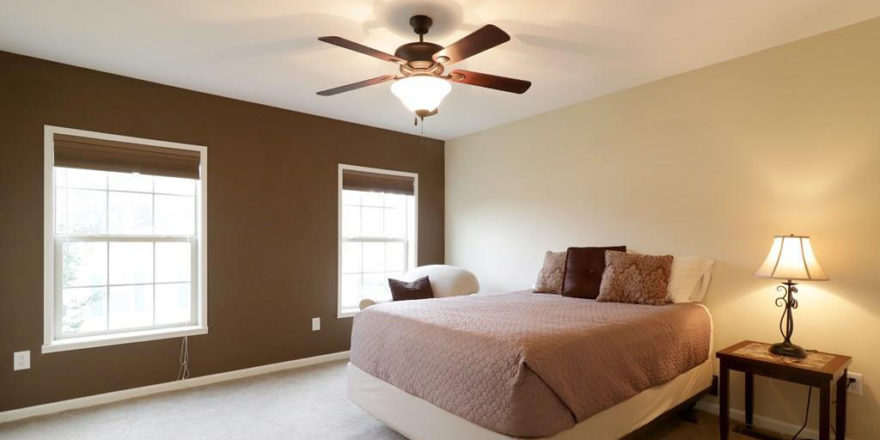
pixel 526 365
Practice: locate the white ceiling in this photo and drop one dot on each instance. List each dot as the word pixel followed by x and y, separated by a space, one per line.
pixel 266 51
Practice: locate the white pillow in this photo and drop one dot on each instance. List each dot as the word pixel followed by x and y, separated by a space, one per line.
pixel 446 280
pixel 689 279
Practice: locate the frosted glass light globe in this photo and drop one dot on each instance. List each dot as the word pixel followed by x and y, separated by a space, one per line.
pixel 421 93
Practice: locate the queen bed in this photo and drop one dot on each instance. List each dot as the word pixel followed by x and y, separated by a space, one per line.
pixel 526 365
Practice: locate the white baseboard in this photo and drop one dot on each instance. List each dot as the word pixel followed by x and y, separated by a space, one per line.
pixel 760 421
pixel 131 393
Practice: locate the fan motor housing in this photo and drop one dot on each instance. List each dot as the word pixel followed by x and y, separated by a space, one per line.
pixel 418 53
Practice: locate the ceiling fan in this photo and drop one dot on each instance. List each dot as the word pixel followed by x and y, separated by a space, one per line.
pixel 421 84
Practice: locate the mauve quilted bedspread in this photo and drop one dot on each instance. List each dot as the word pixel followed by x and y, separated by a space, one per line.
pixel 525 364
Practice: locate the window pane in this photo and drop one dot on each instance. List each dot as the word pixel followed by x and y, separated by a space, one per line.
pixel 84 310
pixel 131 263
pixel 395 201
pixel 60 177
pixel 395 257
pixel 174 185
pixel 131 213
pixel 84 263
pixel 131 306
pixel 351 257
pixel 351 221
pixel 173 262
pixel 60 210
pixel 175 215
pixel 394 275
pixel 374 257
pixel 131 182
pixel 77 178
pixel 372 199
pixel 351 291
pixel 350 197
pixel 371 222
pixel 86 211
pixel 375 287
pixel 395 223
pixel 172 303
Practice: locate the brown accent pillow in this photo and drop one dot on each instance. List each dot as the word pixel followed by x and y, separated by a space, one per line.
pixel 550 276
pixel 583 270
pixel 635 278
pixel 405 291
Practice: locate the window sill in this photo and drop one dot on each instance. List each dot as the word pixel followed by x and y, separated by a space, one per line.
pixel 347 313
pixel 123 338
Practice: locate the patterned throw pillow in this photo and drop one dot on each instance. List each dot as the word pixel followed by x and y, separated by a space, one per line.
pixel 405 291
pixel 635 278
pixel 550 276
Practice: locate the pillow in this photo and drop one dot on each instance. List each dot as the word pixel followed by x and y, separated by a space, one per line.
pixel 689 279
pixel 405 291
pixel 550 276
pixel 446 280
pixel 635 278
pixel 583 270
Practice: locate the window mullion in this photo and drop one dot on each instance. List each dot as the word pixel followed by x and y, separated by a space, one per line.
pixel 194 282
pixel 361 244
pixel 153 285
pixel 58 297
pixel 106 231
pixel 153 230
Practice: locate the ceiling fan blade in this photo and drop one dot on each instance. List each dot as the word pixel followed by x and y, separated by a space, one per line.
pixel 491 81
pixel 357 85
pixel 481 39
pixel 357 47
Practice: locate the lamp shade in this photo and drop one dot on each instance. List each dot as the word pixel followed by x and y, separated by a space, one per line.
pixel 791 257
pixel 421 92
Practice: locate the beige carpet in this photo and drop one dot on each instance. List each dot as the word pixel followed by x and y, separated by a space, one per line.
pixel 307 403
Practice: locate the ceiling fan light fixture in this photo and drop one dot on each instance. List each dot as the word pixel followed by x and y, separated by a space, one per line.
pixel 421 94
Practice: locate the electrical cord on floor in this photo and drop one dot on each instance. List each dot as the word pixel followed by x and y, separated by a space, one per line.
pixel 806 415
pixel 183 371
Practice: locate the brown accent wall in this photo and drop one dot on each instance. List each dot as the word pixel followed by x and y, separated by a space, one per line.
pixel 272 223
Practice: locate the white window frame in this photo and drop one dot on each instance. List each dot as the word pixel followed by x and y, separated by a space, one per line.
pixel 412 250
pixel 53 342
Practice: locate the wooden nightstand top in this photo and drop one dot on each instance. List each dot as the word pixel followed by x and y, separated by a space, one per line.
pixel 817 365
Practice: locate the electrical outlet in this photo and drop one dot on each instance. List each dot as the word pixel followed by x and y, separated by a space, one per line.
pixel 316 324
pixel 855 384
pixel 21 360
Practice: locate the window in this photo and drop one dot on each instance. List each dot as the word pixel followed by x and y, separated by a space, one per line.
pixel 125 248
pixel 377 232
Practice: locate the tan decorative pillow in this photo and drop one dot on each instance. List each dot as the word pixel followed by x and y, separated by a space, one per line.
pixel 635 278
pixel 550 276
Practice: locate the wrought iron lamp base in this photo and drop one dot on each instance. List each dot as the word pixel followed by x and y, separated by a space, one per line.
pixel 786 323
pixel 788 349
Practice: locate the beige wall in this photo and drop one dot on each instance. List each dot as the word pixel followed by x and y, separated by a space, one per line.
pixel 714 163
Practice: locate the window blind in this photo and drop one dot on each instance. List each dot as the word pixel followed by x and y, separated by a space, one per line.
pixel 100 154
pixel 366 181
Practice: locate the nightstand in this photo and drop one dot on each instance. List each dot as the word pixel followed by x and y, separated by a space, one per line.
pixel 817 369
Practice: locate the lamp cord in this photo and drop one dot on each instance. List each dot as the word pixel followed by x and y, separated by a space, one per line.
pixel 183 371
pixel 806 415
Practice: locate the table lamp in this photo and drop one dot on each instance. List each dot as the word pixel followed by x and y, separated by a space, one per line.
pixel 791 258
